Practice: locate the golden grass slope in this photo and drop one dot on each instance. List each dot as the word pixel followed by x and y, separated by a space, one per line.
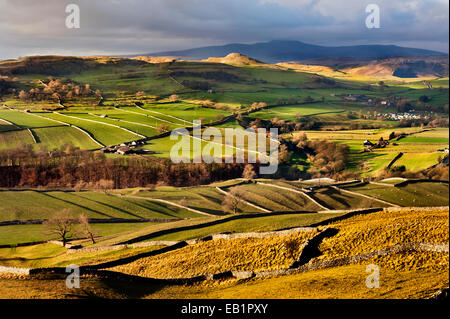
pixel 409 274
pixel 346 282
pixel 366 233
pixel 236 59
pixel 215 256
pixel 366 73
pixel 155 60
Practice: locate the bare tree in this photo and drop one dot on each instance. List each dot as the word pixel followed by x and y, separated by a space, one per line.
pixel 163 128
pixel 249 172
pixel 233 200
pixel 61 225
pixel 86 229
pixel 105 185
pixel 173 98
pixel 184 201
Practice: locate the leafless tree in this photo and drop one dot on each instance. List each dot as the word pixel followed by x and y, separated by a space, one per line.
pixel 105 185
pixel 233 200
pixel 85 228
pixel 173 98
pixel 61 225
pixel 163 128
pixel 249 172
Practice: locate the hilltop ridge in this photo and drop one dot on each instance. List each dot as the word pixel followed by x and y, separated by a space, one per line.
pixel 284 51
pixel 235 59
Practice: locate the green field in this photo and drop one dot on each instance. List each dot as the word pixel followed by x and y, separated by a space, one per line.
pixel 274 199
pixel 105 134
pixel 420 148
pixel 14 139
pixel 51 255
pixel 260 224
pixel 24 205
pixel 12 235
pixel 415 195
pixel 206 199
pixel 297 111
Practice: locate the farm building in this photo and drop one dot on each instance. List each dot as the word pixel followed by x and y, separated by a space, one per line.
pixel 123 150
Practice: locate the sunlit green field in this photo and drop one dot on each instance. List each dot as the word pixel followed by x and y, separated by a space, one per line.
pixel 421 149
pixel 421 194
pixel 29 204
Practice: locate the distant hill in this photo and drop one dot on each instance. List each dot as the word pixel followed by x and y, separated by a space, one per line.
pixel 56 65
pixel 284 51
pixel 234 59
pixel 400 67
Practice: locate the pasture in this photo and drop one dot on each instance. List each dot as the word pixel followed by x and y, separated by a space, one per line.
pixel 33 204
pixel 421 148
pixel 415 274
pixel 418 194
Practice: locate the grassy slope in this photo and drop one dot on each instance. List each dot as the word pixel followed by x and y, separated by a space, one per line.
pixel 22 205
pixel 422 194
pixel 105 134
pixel 410 275
pixel 14 139
pixel 11 235
pixel 421 150
pixel 266 223
pixel 49 134
pixel 51 255
pixel 221 255
pixel 347 282
pixel 276 199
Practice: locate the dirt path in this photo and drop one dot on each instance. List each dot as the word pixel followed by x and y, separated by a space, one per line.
pixel 365 196
pixel 168 203
pixel 246 202
pixel 74 126
pixel 296 191
pixel 154 117
pixel 167 115
pixel 10 123
pixel 98 122
pixel 134 123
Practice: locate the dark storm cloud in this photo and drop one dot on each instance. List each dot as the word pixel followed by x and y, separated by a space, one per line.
pixel 134 26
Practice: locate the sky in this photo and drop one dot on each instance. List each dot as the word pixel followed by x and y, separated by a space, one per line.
pixel 118 27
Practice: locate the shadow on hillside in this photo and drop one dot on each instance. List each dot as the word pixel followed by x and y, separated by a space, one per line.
pixel 115 288
pixel 23 259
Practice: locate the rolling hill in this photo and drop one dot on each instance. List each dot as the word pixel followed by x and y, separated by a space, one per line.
pixel 283 51
pixel 430 66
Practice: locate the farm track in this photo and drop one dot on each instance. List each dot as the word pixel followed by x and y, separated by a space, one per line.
pixel 33 136
pixel 365 196
pixel 382 184
pixel 221 144
pixel 312 265
pixel 298 192
pixel 246 202
pixel 134 123
pixel 62 123
pixel 10 123
pixel 168 203
pixel 88 134
pixel 151 116
pixel 98 122
pixel 167 115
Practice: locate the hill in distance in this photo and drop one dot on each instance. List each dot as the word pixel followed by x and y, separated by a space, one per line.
pixel 433 66
pixel 284 51
pixel 234 59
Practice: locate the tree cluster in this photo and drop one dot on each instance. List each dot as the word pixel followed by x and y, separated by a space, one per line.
pixel 58 90
pixel 328 159
pixel 72 168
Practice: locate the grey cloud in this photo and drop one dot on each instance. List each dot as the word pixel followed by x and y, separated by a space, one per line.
pixel 139 26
